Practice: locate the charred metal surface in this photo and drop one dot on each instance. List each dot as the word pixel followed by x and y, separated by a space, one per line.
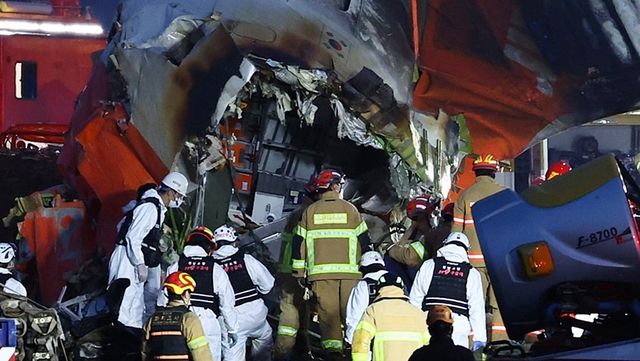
pixel 199 80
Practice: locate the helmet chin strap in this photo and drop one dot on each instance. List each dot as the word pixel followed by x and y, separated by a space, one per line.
pixel 459 244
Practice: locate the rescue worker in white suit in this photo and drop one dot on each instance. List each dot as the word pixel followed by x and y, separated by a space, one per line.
pixel 366 290
pixel 450 280
pixel 213 296
pixel 136 257
pixel 7 262
pixel 249 279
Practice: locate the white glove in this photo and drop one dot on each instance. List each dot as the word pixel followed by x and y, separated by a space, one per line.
pixel 233 339
pixel 142 272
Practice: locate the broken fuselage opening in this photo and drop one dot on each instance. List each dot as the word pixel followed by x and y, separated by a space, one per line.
pixel 272 160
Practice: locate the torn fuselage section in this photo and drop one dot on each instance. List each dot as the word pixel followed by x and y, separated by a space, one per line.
pixel 276 123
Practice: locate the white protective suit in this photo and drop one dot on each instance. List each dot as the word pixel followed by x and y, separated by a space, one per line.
pixel 139 300
pixel 462 326
pixel 12 285
pixel 221 287
pixel 358 303
pixel 252 316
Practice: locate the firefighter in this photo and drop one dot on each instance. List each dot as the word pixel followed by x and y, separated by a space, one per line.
pixel 556 169
pixel 7 262
pixel 394 326
pixel 136 258
pixel 485 168
pixel 213 296
pixel 174 332
pixel 450 280
pixel 363 294
pixel 326 250
pixel 441 347
pixel 249 279
pixel 420 241
pixel 291 293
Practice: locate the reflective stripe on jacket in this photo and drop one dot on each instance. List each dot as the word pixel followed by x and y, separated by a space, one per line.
pixel 394 326
pixel 174 333
pixel 329 240
pixel 287 238
pixel 484 186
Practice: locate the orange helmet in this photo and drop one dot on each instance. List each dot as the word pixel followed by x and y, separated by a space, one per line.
pixel 327 178
pixel 420 205
pixel 200 233
pixel 439 313
pixel 558 168
pixel 179 282
pixel 485 161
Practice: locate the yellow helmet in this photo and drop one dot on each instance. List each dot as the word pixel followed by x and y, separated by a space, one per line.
pixel 179 282
pixel 485 161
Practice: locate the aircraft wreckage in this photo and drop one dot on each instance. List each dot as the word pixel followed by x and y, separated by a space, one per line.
pixel 249 106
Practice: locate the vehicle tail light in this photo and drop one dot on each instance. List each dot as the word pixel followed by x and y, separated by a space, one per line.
pixel 536 259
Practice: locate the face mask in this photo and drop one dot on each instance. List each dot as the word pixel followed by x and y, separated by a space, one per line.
pixel 175 203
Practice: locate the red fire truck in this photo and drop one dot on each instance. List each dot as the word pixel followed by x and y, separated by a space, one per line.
pixel 46 49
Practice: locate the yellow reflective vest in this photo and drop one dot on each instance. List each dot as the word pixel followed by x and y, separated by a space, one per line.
pixel 394 326
pixel 329 240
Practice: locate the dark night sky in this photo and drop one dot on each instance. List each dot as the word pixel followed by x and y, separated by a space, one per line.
pixel 103 9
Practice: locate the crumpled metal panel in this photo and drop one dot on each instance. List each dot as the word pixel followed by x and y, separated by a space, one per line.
pixel 170 102
pixel 313 34
pixel 352 127
pixel 59 240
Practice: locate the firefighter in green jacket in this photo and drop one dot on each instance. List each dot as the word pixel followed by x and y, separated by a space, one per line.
pixel 291 293
pixel 174 333
pixel 326 248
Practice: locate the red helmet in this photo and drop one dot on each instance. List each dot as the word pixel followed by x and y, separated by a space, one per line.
pixel 447 210
pixel 420 205
pixel 200 233
pixel 485 161
pixel 558 168
pixel 179 282
pixel 327 178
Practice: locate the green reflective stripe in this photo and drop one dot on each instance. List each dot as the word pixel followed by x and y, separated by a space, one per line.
pixel 360 356
pixel 332 344
pixel 362 227
pixel 330 218
pixel 333 268
pixel 419 248
pixel 366 326
pixel 300 231
pixel 287 331
pixel 197 342
pixel 401 336
pixel 298 264
pixel 331 233
pixel 285 261
pixel 382 337
pixel 349 234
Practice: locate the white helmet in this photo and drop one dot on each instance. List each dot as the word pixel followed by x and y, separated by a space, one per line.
pixel 7 253
pixel 371 257
pixel 176 181
pixel 458 238
pixel 224 234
